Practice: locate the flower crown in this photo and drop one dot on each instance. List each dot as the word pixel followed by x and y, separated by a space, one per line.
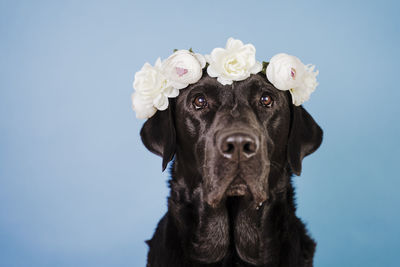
pixel 236 62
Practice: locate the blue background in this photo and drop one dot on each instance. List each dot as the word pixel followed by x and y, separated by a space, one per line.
pixel 77 187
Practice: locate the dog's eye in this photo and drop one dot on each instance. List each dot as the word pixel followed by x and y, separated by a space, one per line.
pixel 266 100
pixel 200 102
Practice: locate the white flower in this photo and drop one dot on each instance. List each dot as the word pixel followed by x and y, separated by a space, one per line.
pixel 152 90
pixel 287 72
pixel 234 63
pixel 183 68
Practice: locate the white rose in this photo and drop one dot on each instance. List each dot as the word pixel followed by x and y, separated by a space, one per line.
pixel 183 68
pixel 287 72
pixel 152 90
pixel 234 63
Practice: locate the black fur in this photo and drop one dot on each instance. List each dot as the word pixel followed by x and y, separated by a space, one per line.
pixel 205 225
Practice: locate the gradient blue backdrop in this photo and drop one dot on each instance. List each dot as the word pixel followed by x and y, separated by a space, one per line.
pixel 77 187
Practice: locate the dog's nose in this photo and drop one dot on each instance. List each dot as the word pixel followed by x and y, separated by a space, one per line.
pixel 238 146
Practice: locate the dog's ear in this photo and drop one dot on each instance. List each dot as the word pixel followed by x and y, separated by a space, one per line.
pixel 304 138
pixel 158 135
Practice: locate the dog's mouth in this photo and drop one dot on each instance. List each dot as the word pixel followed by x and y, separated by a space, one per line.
pixel 238 187
pixel 235 181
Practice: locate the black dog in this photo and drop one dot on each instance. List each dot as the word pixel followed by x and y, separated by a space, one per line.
pixel 232 201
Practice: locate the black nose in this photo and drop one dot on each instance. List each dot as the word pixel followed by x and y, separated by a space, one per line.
pixel 238 146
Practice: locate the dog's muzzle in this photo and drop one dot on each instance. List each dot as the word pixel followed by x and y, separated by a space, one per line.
pixel 235 165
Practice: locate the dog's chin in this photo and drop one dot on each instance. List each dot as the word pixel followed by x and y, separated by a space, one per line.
pixel 236 191
pixel 235 185
pixel 237 188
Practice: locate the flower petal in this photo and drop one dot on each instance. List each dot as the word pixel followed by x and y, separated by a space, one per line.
pixel 161 102
pixel 217 54
pixel 178 85
pixel 256 68
pixel 171 92
pixel 233 44
pixel 201 59
pixel 212 72
pixel 224 81
pixel 143 107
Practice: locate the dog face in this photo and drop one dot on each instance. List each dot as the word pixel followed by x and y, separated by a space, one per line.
pixel 232 137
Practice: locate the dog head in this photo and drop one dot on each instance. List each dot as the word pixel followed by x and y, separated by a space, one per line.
pixel 229 138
